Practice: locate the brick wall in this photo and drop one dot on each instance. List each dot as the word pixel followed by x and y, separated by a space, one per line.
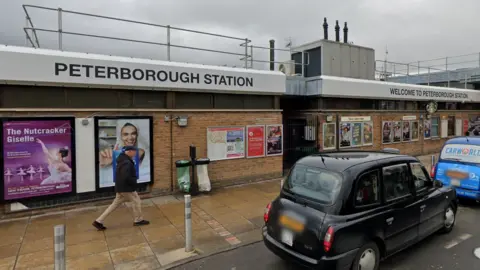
pixel 172 142
pixel 420 147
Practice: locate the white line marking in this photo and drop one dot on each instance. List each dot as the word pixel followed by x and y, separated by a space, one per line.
pixel 451 244
pixel 465 236
pixel 460 239
pixel 476 252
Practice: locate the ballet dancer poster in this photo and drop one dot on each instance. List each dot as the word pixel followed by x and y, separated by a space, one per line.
pixel 37 157
pixel 112 134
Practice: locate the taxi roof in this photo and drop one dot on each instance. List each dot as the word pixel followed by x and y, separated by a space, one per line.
pixel 342 160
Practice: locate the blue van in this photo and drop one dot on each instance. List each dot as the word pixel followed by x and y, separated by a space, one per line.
pixel 459 166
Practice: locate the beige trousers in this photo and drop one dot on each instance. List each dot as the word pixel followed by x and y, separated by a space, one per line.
pixel 121 198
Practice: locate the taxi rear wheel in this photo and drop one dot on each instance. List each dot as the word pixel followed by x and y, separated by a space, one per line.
pixel 367 258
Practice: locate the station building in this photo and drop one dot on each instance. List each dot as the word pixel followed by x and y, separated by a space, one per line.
pixel 65 115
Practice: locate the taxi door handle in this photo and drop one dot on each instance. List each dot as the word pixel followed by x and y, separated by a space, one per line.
pixel 389 220
pixel 422 208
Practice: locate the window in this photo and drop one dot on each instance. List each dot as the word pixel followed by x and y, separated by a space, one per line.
pixel 463 153
pixel 420 177
pixel 435 128
pixel 366 192
pixel 314 183
pixel 395 179
pixel 451 126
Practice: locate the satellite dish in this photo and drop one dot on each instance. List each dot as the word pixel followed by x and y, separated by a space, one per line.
pixel 281 68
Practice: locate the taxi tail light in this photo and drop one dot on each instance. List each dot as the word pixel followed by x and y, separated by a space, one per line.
pixel 328 239
pixel 267 212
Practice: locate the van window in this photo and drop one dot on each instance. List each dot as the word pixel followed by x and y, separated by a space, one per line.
pixel 461 152
pixel 314 183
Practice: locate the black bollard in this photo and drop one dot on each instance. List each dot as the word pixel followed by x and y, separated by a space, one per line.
pixel 193 182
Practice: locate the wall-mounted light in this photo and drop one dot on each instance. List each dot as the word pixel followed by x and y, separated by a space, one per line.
pixel 85 121
pixel 182 121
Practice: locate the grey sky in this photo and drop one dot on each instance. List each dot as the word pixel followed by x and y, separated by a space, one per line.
pixel 412 29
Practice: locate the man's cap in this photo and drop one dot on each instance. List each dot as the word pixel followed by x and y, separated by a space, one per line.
pixel 129 148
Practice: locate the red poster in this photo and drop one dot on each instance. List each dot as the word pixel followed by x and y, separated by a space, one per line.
pixel 255 141
pixel 465 126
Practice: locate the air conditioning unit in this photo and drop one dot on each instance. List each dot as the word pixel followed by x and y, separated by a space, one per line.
pixel 287 68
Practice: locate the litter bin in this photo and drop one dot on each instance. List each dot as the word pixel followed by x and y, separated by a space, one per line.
pixel 202 174
pixel 183 174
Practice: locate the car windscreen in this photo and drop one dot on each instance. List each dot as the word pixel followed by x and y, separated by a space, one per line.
pixel 461 153
pixel 314 183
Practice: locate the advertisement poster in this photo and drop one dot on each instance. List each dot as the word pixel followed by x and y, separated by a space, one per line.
pixel 255 141
pixel 473 125
pixel 427 125
pixel 345 134
pixel 225 143
pixel 329 141
pixel 465 127
pixel 367 133
pixel 387 132
pixel 406 131
pixel 37 158
pixel 397 131
pixel 115 133
pixel 415 132
pixel 357 134
pixel 274 140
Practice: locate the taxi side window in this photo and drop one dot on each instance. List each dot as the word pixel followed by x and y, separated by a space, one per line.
pixel 395 181
pixel 420 177
pixel 367 189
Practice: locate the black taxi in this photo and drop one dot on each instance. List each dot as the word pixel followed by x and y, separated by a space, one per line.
pixel 350 210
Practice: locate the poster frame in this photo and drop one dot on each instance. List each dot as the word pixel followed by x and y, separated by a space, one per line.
pixel 264 141
pixel 418 131
pixel 73 159
pixel 97 159
pixel 244 142
pixel 335 135
pixel 363 133
pixel 266 144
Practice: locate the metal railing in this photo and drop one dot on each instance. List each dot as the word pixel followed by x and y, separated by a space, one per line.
pixel 246 56
pixel 457 71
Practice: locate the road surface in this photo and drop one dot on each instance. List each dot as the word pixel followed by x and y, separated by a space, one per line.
pixel 447 252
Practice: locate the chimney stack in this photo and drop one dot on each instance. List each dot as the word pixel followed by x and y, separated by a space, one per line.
pixel 272 54
pixel 325 28
pixel 337 32
pixel 345 33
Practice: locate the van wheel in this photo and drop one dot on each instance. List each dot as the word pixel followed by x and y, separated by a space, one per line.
pixel 449 218
pixel 367 258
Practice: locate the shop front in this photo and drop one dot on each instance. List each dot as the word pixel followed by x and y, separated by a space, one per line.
pixel 357 114
pixel 66 116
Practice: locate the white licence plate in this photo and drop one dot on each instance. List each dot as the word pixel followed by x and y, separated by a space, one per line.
pixel 455 182
pixel 287 237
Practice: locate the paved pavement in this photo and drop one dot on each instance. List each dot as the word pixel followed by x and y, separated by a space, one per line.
pixel 451 251
pixel 224 219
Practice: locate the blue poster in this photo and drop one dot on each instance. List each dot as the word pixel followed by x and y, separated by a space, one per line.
pixel 136 161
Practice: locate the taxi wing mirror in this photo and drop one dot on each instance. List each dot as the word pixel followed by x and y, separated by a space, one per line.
pixel 437 183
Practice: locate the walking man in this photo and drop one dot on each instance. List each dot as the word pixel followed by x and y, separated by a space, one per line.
pixel 125 185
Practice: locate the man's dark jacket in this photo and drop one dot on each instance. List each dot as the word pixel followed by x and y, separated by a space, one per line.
pixel 125 174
